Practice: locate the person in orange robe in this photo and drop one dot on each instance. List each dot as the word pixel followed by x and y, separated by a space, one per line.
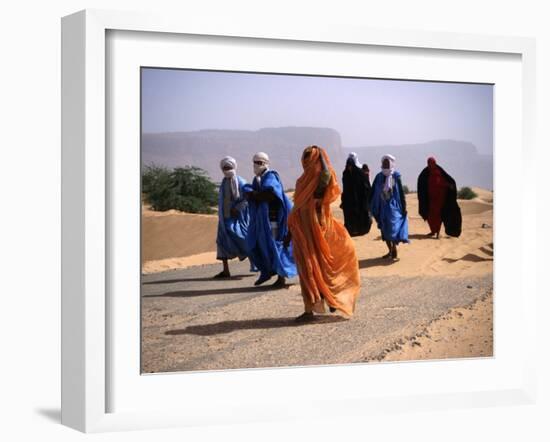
pixel 323 249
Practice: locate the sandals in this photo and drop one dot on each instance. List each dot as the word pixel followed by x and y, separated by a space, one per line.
pixel 222 275
pixel 305 317
pixel 262 279
pixel 279 284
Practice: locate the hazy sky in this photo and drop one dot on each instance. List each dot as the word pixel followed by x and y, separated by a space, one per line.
pixel 365 112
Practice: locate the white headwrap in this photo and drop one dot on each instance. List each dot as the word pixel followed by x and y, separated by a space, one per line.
pixel 353 156
pixel 388 173
pixel 260 156
pixel 231 175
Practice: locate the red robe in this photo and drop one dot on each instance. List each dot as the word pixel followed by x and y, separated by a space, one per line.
pixel 437 200
pixel 437 191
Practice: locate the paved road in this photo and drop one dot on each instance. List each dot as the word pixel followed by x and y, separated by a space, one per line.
pixel 192 322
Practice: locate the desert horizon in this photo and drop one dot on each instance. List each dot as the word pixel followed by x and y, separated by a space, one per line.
pixel 204 148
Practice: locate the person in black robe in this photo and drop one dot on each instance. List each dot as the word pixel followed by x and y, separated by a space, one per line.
pixel 437 202
pixel 366 174
pixel 356 198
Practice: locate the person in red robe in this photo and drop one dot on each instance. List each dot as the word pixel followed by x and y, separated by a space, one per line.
pixel 437 200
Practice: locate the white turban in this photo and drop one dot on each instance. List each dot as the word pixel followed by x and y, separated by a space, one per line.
pixel 388 173
pixel 231 175
pixel 353 156
pixel 228 161
pixel 260 156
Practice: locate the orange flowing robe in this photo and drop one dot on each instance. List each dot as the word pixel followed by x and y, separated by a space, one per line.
pixel 323 250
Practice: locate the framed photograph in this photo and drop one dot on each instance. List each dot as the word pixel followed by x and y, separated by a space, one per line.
pixel 264 222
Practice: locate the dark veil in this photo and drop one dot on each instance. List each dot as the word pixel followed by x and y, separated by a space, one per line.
pixel 356 200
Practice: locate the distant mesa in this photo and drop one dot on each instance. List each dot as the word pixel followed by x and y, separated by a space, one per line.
pixel 206 148
pixel 284 145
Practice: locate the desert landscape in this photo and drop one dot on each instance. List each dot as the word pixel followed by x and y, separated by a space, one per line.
pixel 435 302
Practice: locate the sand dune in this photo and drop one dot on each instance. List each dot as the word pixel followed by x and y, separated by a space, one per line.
pixel 176 234
pixel 483 194
pixel 469 254
pixel 474 207
pixel 177 240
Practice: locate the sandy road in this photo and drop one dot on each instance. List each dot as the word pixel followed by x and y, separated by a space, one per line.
pixel 192 322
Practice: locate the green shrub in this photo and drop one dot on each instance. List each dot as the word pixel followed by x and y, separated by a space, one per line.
pixel 154 177
pixel 406 190
pixel 466 193
pixel 184 188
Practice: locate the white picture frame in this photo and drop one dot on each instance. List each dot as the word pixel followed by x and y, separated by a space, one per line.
pixel 86 355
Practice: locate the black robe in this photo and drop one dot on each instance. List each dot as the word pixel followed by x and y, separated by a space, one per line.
pixel 356 201
pixel 450 212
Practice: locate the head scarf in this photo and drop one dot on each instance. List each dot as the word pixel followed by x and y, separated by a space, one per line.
pixel 388 173
pixel 261 156
pixel 434 172
pixel 308 181
pixel 309 156
pixel 231 175
pixel 352 157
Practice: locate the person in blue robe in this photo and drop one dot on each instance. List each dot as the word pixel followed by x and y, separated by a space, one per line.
pixel 233 217
pixel 269 209
pixel 389 207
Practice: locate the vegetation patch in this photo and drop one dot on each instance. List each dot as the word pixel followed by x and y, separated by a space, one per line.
pixel 466 193
pixel 188 189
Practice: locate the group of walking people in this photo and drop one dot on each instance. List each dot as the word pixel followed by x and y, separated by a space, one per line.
pixel 385 201
pixel 283 239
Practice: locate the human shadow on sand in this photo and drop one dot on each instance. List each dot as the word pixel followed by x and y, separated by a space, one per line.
pixel 204 279
pixel 220 291
pixel 219 328
pixel 487 250
pixel 469 257
pixel 375 262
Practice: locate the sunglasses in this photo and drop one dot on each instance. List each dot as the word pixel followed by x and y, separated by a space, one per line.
pixel 259 163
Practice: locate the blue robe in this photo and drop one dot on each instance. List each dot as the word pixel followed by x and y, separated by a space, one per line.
pixel 389 214
pixel 266 252
pixel 231 239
